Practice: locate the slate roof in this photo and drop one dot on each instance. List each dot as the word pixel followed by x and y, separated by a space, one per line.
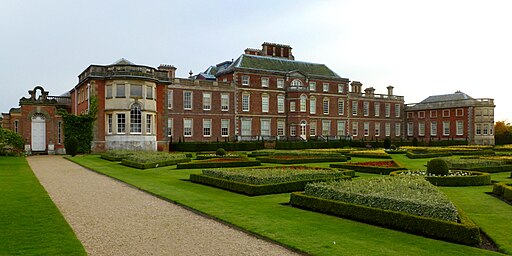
pixel 447 97
pixel 246 61
pixel 123 61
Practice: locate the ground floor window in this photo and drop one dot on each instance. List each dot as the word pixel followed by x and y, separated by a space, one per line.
pixel 187 127
pixel 224 127
pixel 121 123
pixel 246 127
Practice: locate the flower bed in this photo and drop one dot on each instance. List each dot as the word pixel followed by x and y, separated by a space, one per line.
pixel 479 164
pixel 396 151
pixel 455 178
pixel 503 190
pixel 370 154
pixel 464 232
pixel 145 160
pixel 117 155
pixel 219 163
pixel 431 152
pixel 203 156
pixel 378 167
pixel 300 159
pixel 266 180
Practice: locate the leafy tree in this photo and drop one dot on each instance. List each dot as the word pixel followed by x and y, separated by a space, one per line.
pixel 81 127
pixel 502 133
pixel 11 143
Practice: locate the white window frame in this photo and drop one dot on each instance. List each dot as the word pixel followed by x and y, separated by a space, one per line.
pixel 132 91
pixel 377 129
pixel 149 92
pixel 421 129
pixel 246 102
pixel 460 128
pixel 224 102
pixel 207 127
pixel 366 129
pixel 303 102
pixel 265 82
pixel 312 128
pixel 207 101
pixel 398 129
pixel 121 126
pixel 280 103
pixel 325 87
pixel 410 129
pixel 224 127
pixel 110 124
pixel 387 129
pixel 265 127
pixel 108 91
pixel 149 124
pixel 478 129
pixel 312 86
pixel 325 106
pixel 354 107
pixel 433 129
pixel 341 106
pixel 387 110
pixel 293 131
pixel 280 83
pixel 355 128
pixel 188 127
pixel 169 127
pixel 326 127
pixel 376 106
pixel 281 128
pixel 292 106
pixel 246 127
pixel 366 108
pixel 312 105
pixel 397 110
pixel 187 100
pixel 169 99
pixel 246 80
pixel 265 98
pixel 341 128
pixel 446 128
pixel 341 88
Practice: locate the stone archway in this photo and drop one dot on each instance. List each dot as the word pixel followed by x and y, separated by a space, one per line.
pixel 38 132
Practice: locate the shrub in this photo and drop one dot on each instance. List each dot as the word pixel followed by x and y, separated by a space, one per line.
pixel 437 167
pixel 220 152
pixel 117 155
pixel 387 143
pixel 465 232
pixel 370 154
pixel 381 167
pixel 503 190
pixel 454 178
pixel 412 195
pixel 145 160
pixel 11 143
pixel 71 145
pixel 300 159
pixel 218 163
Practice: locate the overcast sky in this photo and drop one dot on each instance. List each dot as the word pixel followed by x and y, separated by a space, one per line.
pixel 422 48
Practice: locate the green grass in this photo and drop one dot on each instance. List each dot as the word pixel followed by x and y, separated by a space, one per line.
pixel 30 223
pixel 270 216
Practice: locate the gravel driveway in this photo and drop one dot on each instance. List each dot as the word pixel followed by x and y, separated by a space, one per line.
pixel 112 218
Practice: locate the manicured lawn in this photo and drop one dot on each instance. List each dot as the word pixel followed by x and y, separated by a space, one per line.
pixel 271 217
pixel 30 223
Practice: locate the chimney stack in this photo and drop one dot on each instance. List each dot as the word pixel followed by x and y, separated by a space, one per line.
pixel 277 50
pixel 171 70
pixel 356 87
pixel 390 90
pixel 370 91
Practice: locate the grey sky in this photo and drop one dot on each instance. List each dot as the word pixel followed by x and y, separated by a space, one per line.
pixel 421 48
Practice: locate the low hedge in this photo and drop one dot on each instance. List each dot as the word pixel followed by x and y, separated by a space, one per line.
pixel 417 155
pixel 254 190
pixel 205 164
pixel 370 154
pixel 465 232
pixel 213 146
pixel 396 152
pixel 493 169
pixel 148 165
pixel 301 160
pixel 116 155
pixel 503 190
pixel 478 179
pixel 367 169
pixel 212 156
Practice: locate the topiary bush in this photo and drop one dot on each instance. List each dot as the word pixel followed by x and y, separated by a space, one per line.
pixel 220 152
pixel 11 143
pixel 437 167
pixel 387 143
pixel 71 145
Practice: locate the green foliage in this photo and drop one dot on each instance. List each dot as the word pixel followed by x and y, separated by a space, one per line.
pixel 370 154
pixel 71 144
pixel 366 169
pixel 255 190
pixel 387 143
pixel 471 178
pixel 81 127
pixel 301 159
pixel 218 163
pixel 11 143
pixel 437 166
pixel 465 232
pixel 145 160
pixel 415 142
pixel 425 154
pixel 404 194
pixel 503 190
pixel 117 155
pixel 31 224
pixel 269 175
pixel 220 152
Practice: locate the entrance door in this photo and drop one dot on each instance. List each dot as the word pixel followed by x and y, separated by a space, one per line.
pixel 303 130
pixel 38 133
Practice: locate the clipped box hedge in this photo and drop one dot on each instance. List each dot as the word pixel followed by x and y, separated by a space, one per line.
pixel 465 232
pixel 418 155
pixel 493 169
pixel 477 179
pixel 503 190
pixel 370 154
pixel 148 165
pixel 300 159
pixel 243 162
pixel 367 169
pixel 116 155
pixel 255 190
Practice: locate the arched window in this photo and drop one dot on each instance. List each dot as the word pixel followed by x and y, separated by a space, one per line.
pixel 303 100
pixel 135 119
pixel 296 83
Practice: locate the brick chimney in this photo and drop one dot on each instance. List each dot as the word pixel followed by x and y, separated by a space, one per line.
pixel 171 70
pixel 277 50
pixel 369 91
pixel 390 90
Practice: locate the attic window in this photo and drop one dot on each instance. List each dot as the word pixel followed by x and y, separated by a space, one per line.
pixel 296 83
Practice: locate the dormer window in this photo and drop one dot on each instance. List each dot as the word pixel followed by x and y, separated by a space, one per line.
pixel 296 83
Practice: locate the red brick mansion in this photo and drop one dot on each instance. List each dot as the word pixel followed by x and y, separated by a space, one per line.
pixel 263 94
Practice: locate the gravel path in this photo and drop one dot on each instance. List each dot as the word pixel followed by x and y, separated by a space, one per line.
pixel 112 218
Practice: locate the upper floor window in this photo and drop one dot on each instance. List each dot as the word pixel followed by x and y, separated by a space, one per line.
pixel 340 88
pixel 280 103
pixel 16 126
pixel 169 99
pixel 354 108
pixel 459 112
pixel 292 106
pixel 296 83
pixel 245 80
pixel 397 110
pixel 108 91
pixel 187 100
pixel 341 107
pixel 303 102
pixel 326 106
pixel 245 102
pixel 224 102
pixel 433 113
pixel 312 105
pixel 264 103
pixel 421 114
pixel 207 101
pixel 446 113
pixel 325 87
pixel 366 108
pixel 387 110
pixel 136 90
pixel 376 107
pixel 120 92
pixel 312 86
pixel 410 114
pixel 149 92
pixel 280 83
pixel 264 82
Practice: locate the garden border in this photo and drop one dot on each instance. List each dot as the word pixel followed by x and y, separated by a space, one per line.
pixel 466 232
pixel 368 169
pixel 481 179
